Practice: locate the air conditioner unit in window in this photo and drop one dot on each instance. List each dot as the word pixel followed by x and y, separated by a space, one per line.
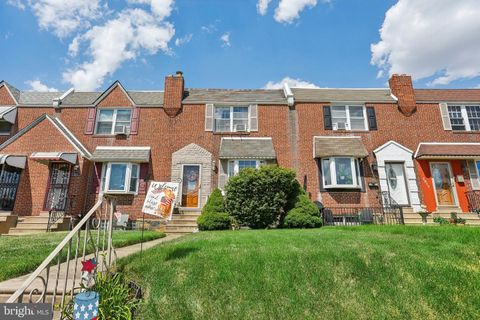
pixel 340 126
pixel 240 127
pixel 121 130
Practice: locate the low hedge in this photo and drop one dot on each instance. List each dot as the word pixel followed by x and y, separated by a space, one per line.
pixel 214 221
pixel 297 218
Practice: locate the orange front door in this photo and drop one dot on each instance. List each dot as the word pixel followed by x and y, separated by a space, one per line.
pixel 443 183
pixel 191 185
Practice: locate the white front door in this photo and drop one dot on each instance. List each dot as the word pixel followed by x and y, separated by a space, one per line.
pixel 397 184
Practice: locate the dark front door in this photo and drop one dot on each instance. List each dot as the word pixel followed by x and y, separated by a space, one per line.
pixel 9 179
pixel 58 187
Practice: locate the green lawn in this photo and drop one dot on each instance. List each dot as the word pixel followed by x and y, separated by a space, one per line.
pixel 23 254
pixel 372 272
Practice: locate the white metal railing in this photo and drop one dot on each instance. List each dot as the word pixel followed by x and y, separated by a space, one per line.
pixel 91 236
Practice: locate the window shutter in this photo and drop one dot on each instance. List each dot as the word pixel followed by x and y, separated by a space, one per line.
pixel 361 174
pixel 473 175
pixel 135 120
pixel 320 175
pixel 253 117
pixel 97 177
pixel 327 118
pixel 445 118
pixel 142 184
pixel 222 174
pixel 209 113
pixel 90 126
pixel 372 119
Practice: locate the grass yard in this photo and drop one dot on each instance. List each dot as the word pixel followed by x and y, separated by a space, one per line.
pixel 371 272
pixel 23 254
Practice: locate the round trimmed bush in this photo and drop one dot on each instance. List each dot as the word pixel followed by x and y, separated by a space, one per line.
pixel 298 218
pixel 307 206
pixel 215 202
pixel 214 221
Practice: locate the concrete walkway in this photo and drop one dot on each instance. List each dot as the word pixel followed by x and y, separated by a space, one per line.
pixel 8 287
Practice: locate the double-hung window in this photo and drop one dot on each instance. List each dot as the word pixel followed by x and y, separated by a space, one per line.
pixel 340 172
pixel 120 177
pixel 349 117
pixel 464 117
pixel 231 119
pixel 112 121
pixel 235 166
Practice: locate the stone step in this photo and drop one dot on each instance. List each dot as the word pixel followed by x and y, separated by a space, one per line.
pixel 181 229
pixel 183 221
pixel 19 232
pixel 5 295
pixel 34 226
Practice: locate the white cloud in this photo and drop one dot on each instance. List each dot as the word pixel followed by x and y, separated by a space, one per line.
pixel 293 83
pixel 262 6
pixel 120 39
pixel 225 38
pixel 428 38
pixel 37 85
pixel 63 17
pixel 183 40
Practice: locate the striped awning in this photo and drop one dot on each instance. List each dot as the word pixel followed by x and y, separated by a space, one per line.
pixel 70 157
pixel 13 160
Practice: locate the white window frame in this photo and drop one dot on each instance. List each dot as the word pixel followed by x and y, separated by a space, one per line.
pixel 106 173
pixel 236 167
pixel 114 120
pixel 348 125
pixel 463 110
pixel 232 129
pixel 355 167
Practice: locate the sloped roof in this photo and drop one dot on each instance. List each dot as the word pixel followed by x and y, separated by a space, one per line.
pixel 329 146
pixel 342 95
pixel 262 96
pixel 132 154
pixel 445 95
pixel 14 91
pixel 448 150
pixel 247 148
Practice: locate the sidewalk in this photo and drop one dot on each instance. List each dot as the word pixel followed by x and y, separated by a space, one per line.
pixel 8 287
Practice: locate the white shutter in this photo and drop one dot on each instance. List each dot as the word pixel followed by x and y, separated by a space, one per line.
pixel 445 118
pixel 473 175
pixel 209 113
pixel 253 115
pixel 222 174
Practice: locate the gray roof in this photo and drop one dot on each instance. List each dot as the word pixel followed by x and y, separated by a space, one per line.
pixel 15 92
pixel 234 96
pixel 81 98
pixel 147 97
pixel 247 148
pixel 342 95
pixel 328 146
pixel 132 154
pixel 37 98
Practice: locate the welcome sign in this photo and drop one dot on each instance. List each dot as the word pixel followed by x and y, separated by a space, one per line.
pixel 160 199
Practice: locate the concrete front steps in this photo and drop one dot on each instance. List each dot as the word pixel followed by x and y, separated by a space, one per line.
pixel 184 222
pixel 7 222
pixel 412 218
pixel 38 224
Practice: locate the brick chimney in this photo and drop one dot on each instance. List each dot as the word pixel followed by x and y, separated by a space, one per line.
pixel 402 88
pixel 173 95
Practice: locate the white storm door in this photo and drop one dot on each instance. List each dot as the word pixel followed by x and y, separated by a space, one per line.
pixel 397 184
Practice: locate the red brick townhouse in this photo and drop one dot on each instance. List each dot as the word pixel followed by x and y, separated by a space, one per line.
pixel 60 150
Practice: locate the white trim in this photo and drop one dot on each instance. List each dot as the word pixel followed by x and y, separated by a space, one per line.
pixel 121 148
pixel 463 112
pixel 288 94
pixel 232 128
pixel 246 138
pixel 106 175
pixel 394 97
pixel 452 181
pixel 355 170
pixel 106 92
pixel 87 155
pixel 348 118
pixel 3 84
pixel 236 170
pixel 328 88
pixel 114 119
pixel 386 144
pixel 445 143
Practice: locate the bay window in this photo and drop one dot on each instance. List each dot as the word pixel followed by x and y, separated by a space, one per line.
pixel 235 166
pixel 340 172
pixel 231 119
pixel 111 121
pixel 349 117
pixel 120 177
pixel 464 117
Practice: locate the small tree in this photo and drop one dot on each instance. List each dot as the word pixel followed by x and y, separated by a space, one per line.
pixel 215 202
pixel 213 215
pixel 259 198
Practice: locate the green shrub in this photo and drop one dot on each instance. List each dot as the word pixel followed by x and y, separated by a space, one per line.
pixel 214 221
pixel 306 205
pixel 440 220
pixel 215 202
pixel 259 198
pixel 298 218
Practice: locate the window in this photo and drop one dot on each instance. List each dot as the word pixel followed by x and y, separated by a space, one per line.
pixel 5 127
pixel 349 118
pixel 340 172
pixel 120 177
pixel 111 121
pixel 464 117
pixel 231 119
pixel 234 166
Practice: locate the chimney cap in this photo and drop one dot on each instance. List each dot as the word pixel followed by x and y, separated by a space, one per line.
pixel 179 73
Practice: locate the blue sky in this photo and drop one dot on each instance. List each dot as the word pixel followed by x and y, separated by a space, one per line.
pixel 234 44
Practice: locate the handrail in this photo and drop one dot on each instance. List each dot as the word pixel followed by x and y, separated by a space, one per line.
pixel 67 242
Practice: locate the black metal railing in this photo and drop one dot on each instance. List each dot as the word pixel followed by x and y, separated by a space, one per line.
pixel 55 215
pixel 473 201
pixel 352 216
pixel 387 201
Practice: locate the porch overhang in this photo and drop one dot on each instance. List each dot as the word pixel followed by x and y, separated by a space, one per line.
pixel 427 150
pixel 247 148
pixel 46 157
pixel 119 154
pixel 8 114
pixel 332 146
pixel 13 160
